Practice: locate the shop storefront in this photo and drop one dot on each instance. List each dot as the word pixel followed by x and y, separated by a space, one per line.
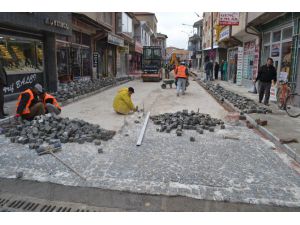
pixel 277 44
pixel 232 64
pixel 250 62
pixel 74 57
pixel 27 41
pixel 122 60
pixel 135 62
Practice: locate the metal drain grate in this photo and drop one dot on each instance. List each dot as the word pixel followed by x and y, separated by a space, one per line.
pixel 21 204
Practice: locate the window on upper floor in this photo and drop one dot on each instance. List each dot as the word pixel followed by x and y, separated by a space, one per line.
pixel 126 24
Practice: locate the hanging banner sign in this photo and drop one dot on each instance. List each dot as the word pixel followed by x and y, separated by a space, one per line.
pixel 239 66
pixel 229 18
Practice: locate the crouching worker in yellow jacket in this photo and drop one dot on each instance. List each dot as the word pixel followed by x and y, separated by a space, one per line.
pixel 123 103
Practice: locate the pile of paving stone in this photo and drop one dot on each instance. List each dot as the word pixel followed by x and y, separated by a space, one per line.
pixel 49 128
pixel 244 104
pixel 185 120
pixel 77 88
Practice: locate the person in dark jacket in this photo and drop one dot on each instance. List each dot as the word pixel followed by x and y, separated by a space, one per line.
pixel 266 75
pixel 3 83
pixel 28 105
pixel 217 66
pixel 209 70
pixel 222 69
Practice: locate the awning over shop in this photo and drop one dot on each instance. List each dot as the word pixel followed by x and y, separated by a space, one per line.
pixel 209 48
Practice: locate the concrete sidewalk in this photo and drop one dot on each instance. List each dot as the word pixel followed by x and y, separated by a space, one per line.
pixel 280 125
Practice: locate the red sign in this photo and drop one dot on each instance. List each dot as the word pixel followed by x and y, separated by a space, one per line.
pixel 138 47
pixel 229 18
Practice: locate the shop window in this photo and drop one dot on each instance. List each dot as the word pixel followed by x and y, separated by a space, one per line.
pixel 266 38
pixel 266 54
pixel 62 55
pixel 21 55
pixel 287 33
pixel 276 36
pixel 76 37
pixel 286 57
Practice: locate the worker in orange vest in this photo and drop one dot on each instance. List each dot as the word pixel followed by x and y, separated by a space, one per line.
pixel 50 103
pixel 181 77
pixel 28 105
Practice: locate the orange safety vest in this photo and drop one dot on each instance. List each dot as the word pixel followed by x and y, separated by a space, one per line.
pixel 55 103
pixel 31 97
pixel 181 72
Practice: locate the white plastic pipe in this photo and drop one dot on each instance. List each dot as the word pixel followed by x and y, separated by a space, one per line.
pixel 139 142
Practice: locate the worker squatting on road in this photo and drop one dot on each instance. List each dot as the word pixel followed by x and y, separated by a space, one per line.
pixel 32 103
pixel 181 75
pixel 50 103
pixel 122 101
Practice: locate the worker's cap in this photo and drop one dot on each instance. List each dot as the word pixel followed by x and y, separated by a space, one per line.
pixel 39 88
pixel 131 89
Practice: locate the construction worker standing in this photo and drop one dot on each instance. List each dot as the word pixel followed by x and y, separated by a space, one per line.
pixel 123 103
pixel 50 103
pixel 181 77
pixel 28 105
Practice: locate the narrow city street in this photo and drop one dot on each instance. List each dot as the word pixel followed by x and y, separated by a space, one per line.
pixel 248 170
pixel 95 115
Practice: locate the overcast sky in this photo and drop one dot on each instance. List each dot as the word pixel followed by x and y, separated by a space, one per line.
pixel 170 23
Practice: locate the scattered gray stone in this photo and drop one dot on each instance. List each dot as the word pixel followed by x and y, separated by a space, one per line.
pixel 184 120
pixel 97 142
pixel 137 121
pixel 100 150
pixel 192 139
pixel 211 129
pixel 222 126
pixel 19 175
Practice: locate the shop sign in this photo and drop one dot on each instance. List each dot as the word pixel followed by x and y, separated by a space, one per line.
pixel 57 23
pixel 95 59
pixel 229 18
pixel 138 47
pixel 239 66
pixel 275 50
pixel 115 40
pixel 198 56
pixel 124 49
pixel 224 33
pixel 20 82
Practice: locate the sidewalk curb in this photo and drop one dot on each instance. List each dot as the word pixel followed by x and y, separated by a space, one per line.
pixel 287 149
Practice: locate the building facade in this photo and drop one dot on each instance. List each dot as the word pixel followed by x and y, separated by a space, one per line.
pixel 195 45
pixel 28 49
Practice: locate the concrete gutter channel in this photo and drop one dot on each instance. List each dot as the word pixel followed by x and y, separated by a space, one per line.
pixel 231 108
pixel 28 195
pixel 16 195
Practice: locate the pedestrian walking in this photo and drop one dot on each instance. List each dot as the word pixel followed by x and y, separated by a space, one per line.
pixel 208 70
pixel 3 83
pixel 225 70
pixel 181 77
pixel 28 105
pixel 222 70
pixel 217 66
pixel 122 102
pixel 266 75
